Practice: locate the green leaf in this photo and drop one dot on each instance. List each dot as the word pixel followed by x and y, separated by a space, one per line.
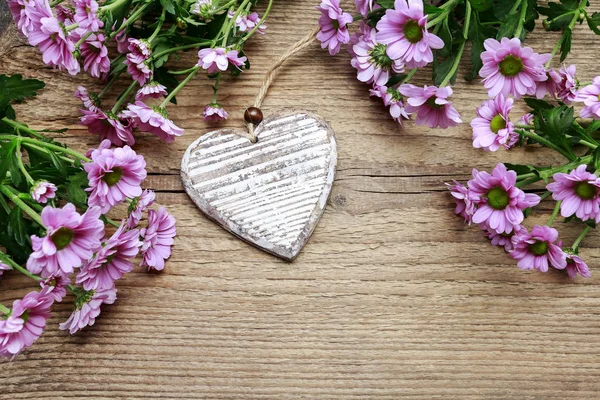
pixel 386 3
pixel 481 5
pixel 14 89
pixel 596 159
pixel 445 34
pixel 521 169
pixel 537 104
pixel 168 5
pixel 555 123
pixel 16 226
pixel 565 46
pixel 477 35
pixel 440 70
pixel 8 162
pixel 594 22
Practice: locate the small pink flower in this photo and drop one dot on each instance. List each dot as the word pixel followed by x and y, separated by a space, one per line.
pixel 492 128
pixel 466 201
pixel 204 9
pixel 215 113
pixel 95 56
pixel 365 6
pixel 567 89
pixel 215 60
pixel 509 68
pixel 154 120
pixel 122 40
pixel 505 240
pixel 86 15
pixel 537 250
pixel 43 191
pixel 158 238
pixel 578 191
pixel 138 206
pixel 70 240
pixel 151 90
pixel 90 102
pixel 3 267
pixel 111 262
pixel 550 86
pixel 246 22
pixel 139 49
pixel 526 119
pixel 431 105
pixel 576 266
pixel 139 70
pixel 392 98
pixel 333 23
pixel 65 15
pixel 404 30
pixel 87 309
pixel 501 203
pixel 372 62
pixel 590 96
pixel 17 8
pixel 25 323
pixel 114 175
pixel 108 126
pixel 57 286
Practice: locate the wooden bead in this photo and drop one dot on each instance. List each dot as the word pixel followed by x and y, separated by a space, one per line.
pixel 253 115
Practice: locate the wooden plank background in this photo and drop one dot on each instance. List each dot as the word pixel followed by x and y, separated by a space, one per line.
pixel 393 297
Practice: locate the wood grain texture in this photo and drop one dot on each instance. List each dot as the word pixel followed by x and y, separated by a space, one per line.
pixel 392 298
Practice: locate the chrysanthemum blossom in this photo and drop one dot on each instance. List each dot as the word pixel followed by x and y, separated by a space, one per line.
pixel 392 98
pixel 492 128
pixel 70 240
pixel 505 240
pixel 86 15
pixel 567 88
pixel 114 175
pixel 577 266
pixel 56 286
pixel 245 22
pixel 17 9
pixel 204 9
pixel 95 56
pixel 404 30
pixel 365 6
pixel 578 191
pixel 590 96
pixel 138 69
pixel 43 191
pixel 112 261
pixel 334 26
pixel 372 62
pixel 158 238
pixel 25 323
pixel 153 120
pixel 466 201
pixel 138 205
pixel 214 112
pixel 151 90
pixel 511 69
pixel 3 267
pixel 501 203
pixel 219 59
pixel 537 250
pixel 87 309
pixel 108 126
pixel 431 105
pixel 90 101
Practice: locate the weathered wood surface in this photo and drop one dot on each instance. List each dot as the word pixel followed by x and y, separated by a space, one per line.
pixel 392 298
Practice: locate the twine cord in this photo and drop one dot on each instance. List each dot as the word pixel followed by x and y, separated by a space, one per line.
pixel 272 74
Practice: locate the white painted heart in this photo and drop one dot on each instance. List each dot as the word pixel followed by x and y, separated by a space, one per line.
pixel 271 193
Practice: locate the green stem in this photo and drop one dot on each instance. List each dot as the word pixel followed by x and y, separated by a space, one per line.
pixel 554 213
pixel 124 97
pixel 592 146
pixel 521 19
pixel 30 142
pixel 159 24
pixel 262 20
pixel 83 38
pixel 27 273
pixel 110 221
pixel 109 84
pixel 71 27
pixel 43 150
pixel 563 37
pixel 528 181
pixel 21 204
pixel 577 242
pixel 546 143
pixel 216 88
pixel 113 5
pixel 184 47
pixel 410 74
pixel 179 87
pixel 447 7
pixel 22 127
pixel 458 55
pixel 21 165
pixel 131 20
pixel 224 7
pixel 4 310
pixel 231 23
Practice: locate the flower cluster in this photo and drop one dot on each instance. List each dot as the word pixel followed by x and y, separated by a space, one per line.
pixel 75 35
pixel 57 231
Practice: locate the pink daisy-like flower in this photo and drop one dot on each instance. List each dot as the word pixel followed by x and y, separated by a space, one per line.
pixel 509 68
pixel 501 203
pixel 3 267
pixel 25 323
pixel 138 69
pixel 70 240
pixel 66 15
pixel 536 250
pixel 112 261
pixel 122 40
pixel 567 88
pixel 138 206
pixel 505 240
pixel 404 30
pixel 215 60
pixel 87 309
pixel 431 105
pixel 86 15
pixel 43 191
pixel 114 175
pixel 139 49
pixel 492 128
pixel 17 9
pixel 56 286
pixel 95 56
pixel 578 191
pixel 576 266
pixel 372 62
pixel 246 22
pixel 550 86
pixel 355 37
pixel 526 119
pixel 158 238
pixel 215 113
pixel 590 96
pixel 154 120
pixel 90 101
pixel 466 201
pixel 108 126
pixel 365 6
pixel 333 23
pixel 151 90
pixel 392 98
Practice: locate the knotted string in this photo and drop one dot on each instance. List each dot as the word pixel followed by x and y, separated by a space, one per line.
pixel 272 73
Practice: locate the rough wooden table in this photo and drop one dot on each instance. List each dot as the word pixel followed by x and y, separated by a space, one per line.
pixel 392 298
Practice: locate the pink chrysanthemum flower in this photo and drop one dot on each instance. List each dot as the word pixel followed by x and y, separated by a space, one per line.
pixel 158 238
pixel 108 126
pixel 365 6
pixel 66 15
pixel 151 90
pixel 576 266
pixel 17 9
pixel 95 56
pixel 70 240
pixel 526 119
pixel 43 191
pixel 537 250
pixel 466 201
pixel 431 105
pixel 122 39
pixel 213 112
pixel 87 309
pixel 392 98
pixel 492 128
pixel 578 191
pixel 372 62
pixel 114 175
pixel 204 9
pixel 25 323
pixel 154 120
pixel 215 60
pixel 3 267
pixel 333 22
pixel 567 89
pixel 90 101
pixel 139 70
pixel 139 49
pixel 550 86
pixel 590 96
pixel 501 203
pixel 404 30
pixel 86 15
pixel 509 68
pixel 505 240
pixel 112 261
pixel 56 286
pixel 246 22
pixel 138 206
pixel 355 37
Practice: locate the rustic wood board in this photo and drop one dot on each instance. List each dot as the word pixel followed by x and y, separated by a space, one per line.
pixel 393 298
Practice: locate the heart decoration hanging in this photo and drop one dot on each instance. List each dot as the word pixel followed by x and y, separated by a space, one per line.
pixel 271 193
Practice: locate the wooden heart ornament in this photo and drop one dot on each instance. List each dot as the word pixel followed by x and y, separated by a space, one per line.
pixel 271 193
